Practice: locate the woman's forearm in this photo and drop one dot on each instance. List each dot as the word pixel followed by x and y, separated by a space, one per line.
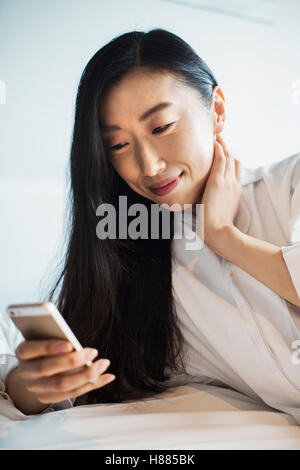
pixel 259 258
pixel 22 398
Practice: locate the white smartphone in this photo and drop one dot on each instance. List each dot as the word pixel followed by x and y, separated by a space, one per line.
pixel 43 321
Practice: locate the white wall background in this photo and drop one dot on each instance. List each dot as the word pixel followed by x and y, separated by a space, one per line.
pixel 251 46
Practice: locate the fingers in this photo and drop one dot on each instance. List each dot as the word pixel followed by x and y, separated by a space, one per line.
pixel 223 145
pixel 42 367
pixel 232 165
pixel 229 162
pixel 238 170
pixel 219 165
pixel 59 388
pixel 65 383
pixel 37 348
pixel 48 366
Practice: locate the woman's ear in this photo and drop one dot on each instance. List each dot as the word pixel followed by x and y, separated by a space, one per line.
pixel 218 110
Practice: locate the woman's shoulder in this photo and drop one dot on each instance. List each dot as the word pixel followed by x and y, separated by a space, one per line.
pixel 278 181
pixel 283 171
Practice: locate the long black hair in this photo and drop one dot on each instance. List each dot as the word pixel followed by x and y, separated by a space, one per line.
pixel 117 294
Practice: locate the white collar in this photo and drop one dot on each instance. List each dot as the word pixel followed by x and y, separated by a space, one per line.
pixel 243 217
pixel 250 175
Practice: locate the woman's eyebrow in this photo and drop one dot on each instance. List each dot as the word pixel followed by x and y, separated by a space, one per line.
pixel 145 115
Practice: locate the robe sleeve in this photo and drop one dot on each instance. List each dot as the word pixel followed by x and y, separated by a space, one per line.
pixel 291 252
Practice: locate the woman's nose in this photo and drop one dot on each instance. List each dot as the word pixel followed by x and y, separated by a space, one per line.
pixel 151 163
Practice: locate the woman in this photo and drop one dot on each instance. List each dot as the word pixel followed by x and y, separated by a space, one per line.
pixel 148 110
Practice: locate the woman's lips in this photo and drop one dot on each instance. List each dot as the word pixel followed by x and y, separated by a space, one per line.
pixel 168 188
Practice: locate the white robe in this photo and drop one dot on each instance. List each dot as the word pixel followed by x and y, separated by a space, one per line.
pixel 238 333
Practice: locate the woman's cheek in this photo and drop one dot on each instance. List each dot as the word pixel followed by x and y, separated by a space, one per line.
pixel 128 170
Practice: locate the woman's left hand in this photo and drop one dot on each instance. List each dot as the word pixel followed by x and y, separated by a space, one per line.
pixel 222 192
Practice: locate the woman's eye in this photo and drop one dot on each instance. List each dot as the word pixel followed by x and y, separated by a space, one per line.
pixel 119 146
pixel 163 128
pixel 115 147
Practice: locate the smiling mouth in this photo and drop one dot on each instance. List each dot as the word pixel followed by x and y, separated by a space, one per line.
pixel 168 187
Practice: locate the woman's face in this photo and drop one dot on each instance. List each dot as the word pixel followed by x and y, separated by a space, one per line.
pixel 176 140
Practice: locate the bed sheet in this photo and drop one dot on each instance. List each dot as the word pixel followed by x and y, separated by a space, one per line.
pixel 197 416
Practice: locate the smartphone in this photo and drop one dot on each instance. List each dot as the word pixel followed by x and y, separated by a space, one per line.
pixel 44 321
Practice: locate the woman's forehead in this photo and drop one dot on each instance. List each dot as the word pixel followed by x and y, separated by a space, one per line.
pixel 139 93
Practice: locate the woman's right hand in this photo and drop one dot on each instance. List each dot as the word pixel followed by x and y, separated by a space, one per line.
pixel 41 367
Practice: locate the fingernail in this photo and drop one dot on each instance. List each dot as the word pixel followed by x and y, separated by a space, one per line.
pixel 102 365
pixel 109 379
pixel 90 354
